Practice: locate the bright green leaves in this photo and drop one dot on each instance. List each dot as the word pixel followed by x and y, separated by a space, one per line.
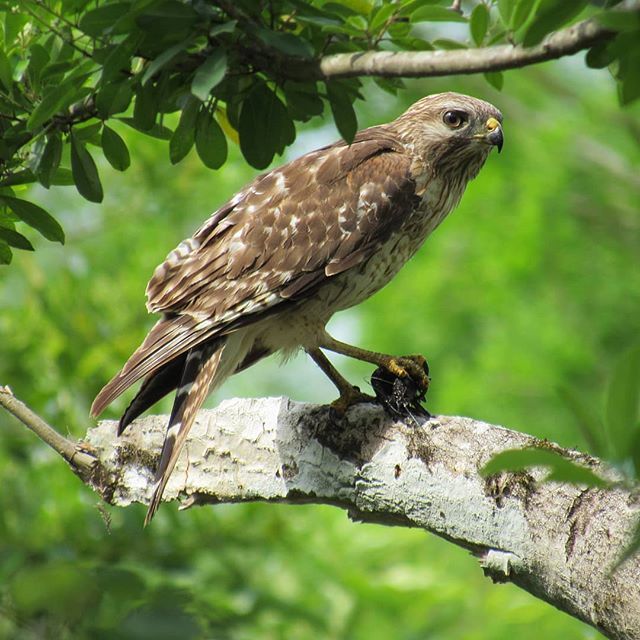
pixel 210 74
pixel 479 23
pixel 551 15
pixel 265 126
pixel 84 170
pixel 114 149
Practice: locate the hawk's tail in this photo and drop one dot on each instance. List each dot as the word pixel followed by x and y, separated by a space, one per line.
pixel 200 368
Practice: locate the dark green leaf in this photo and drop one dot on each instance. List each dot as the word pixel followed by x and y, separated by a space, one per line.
pixel 436 14
pixel 211 143
pixel 303 100
pixel 114 149
pixel 599 56
pixel 102 20
pixel 285 43
pixel 495 79
pixel 5 71
pixel 551 15
pixel 163 59
pixel 145 109
pixel 15 239
pixel 342 110
pixel 184 136
pixel 225 27
pixel 622 410
pixel 5 253
pixel 620 20
pixel 113 98
pixel 479 23
pixel 209 74
pixel 156 131
pixel 448 45
pixel 265 126
pixel 49 160
pixel 85 172
pixel 561 469
pixel 35 217
pixel 168 16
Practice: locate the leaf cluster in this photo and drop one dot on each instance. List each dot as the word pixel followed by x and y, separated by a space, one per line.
pixel 75 73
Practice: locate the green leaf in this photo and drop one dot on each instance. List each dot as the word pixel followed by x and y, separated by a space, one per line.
pixel 479 23
pixel 163 59
pixel 114 149
pixel 211 143
pixel 265 126
pixel 551 15
pixel 85 172
pixel 6 73
pixel 599 56
pixel 619 20
pixel 521 13
pixel 225 27
pixel 303 100
pixel 158 131
pixel 561 469
pixel 145 108
pixel 49 160
pixel 35 217
pixel 102 20
pixel 209 74
pixel 184 136
pixel 380 17
pixel 505 9
pixel 285 43
pixel 166 17
pixel 436 14
pixel 495 79
pixel 15 239
pixel 343 112
pixel 56 98
pixel 622 409
pixel 113 98
pixel 5 253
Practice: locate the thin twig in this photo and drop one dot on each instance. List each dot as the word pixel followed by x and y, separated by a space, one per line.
pixel 66 448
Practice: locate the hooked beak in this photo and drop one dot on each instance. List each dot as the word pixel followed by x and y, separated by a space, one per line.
pixel 494 135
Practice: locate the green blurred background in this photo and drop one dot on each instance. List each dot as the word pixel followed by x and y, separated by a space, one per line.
pixel 522 302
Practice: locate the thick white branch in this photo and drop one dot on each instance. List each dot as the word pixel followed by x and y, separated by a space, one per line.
pixel 556 541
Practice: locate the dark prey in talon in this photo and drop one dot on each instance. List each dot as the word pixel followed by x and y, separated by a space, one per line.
pixel 267 271
pixel 400 395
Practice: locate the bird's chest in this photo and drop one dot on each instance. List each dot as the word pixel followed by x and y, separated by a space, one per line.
pixel 359 283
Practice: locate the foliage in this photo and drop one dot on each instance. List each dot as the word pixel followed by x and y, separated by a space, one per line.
pixel 73 71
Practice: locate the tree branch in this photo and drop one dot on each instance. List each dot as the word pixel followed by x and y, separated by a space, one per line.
pixel 557 541
pixel 423 64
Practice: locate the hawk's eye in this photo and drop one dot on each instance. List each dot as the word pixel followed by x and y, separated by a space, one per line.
pixel 454 119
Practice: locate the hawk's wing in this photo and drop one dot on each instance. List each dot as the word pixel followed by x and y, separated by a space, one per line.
pixel 275 242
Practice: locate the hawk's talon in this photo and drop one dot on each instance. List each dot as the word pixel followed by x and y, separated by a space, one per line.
pixel 348 397
pixel 415 367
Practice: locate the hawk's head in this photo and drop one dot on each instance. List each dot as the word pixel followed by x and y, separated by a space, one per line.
pixel 451 132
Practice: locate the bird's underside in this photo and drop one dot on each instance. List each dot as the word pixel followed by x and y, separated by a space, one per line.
pixel 267 270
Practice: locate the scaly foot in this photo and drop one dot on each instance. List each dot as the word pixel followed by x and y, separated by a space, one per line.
pixel 348 397
pixel 415 367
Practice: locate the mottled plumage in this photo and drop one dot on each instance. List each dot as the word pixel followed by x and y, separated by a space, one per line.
pixel 322 233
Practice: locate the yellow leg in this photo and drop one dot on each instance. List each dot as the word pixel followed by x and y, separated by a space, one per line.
pixel 349 394
pixel 400 366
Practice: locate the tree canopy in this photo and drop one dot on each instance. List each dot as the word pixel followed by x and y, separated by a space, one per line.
pixel 73 71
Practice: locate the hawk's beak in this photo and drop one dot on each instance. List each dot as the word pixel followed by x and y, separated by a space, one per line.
pixel 494 135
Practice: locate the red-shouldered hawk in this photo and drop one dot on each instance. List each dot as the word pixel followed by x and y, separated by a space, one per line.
pixel 269 268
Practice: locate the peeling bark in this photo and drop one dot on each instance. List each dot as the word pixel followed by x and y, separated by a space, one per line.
pixel 557 541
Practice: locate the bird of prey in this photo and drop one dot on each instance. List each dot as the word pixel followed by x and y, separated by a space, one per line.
pixel 269 268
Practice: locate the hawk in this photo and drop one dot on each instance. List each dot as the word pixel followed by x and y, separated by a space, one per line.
pixel 269 268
